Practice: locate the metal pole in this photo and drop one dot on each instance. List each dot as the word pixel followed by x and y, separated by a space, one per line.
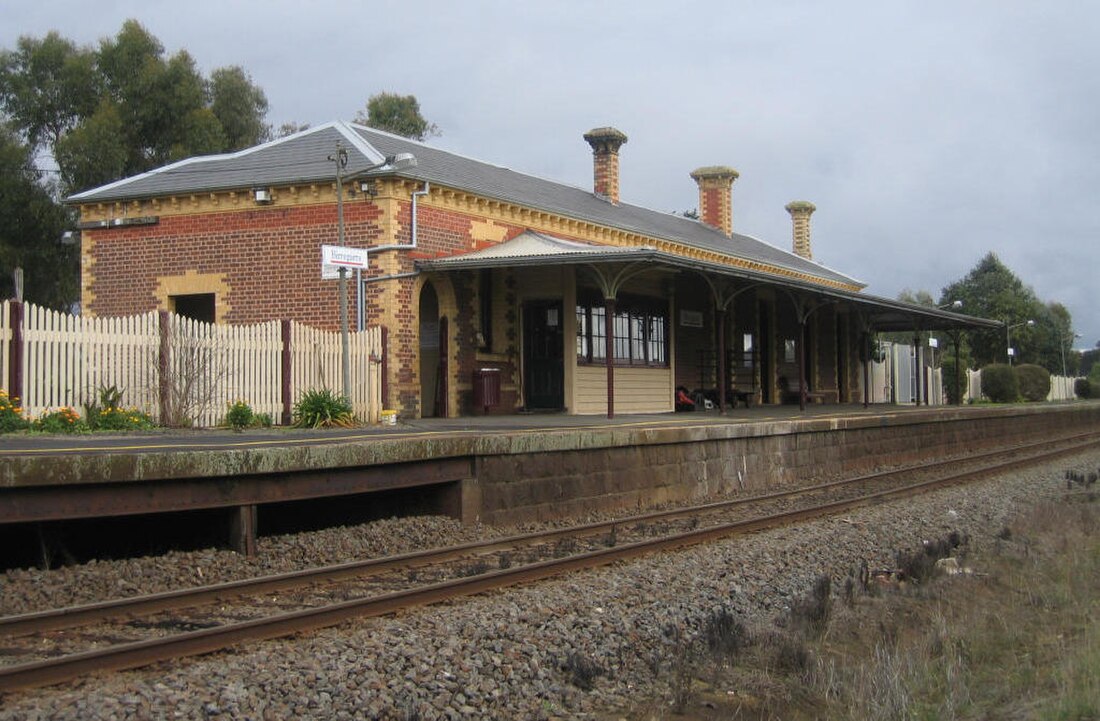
pixel 345 352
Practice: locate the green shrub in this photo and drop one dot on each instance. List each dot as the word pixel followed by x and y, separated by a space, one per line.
pixel 239 416
pixel 953 394
pixel 323 409
pixel 121 419
pixel 999 383
pixel 1034 382
pixel 11 414
pixel 1084 388
pixel 106 413
pixel 63 420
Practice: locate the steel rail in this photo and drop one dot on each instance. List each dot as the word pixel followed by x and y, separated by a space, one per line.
pixel 69 617
pixel 192 643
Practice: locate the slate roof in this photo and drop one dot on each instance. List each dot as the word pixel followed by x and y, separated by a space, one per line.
pixel 303 158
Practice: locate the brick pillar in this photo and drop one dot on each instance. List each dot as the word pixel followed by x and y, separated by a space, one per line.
pixel 800 211
pixel 605 144
pixel 716 196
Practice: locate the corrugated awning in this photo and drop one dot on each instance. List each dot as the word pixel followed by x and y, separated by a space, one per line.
pixel 533 249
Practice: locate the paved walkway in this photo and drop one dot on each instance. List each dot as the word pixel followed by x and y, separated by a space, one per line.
pixel 162 441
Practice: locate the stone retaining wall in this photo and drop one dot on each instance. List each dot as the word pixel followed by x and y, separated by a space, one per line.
pixel 681 464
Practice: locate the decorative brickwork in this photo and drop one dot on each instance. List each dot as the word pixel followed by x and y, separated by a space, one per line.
pixel 605 144
pixel 716 196
pixel 800 211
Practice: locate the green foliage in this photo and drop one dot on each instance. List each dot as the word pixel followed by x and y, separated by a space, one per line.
pixel 63 420
pixel 31 225
pixel 323 409
pixel 11 414
pixel 106 413
pixel 992 291
pixel 955 385
pixel 1034 382
pixel 397 114
pixel 999 383
pixel 238 106
pixel 1084 388
pixel 124 107
pixel 239 416
pixel 121 419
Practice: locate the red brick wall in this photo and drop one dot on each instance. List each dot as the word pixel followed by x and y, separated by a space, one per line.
pixel 271 260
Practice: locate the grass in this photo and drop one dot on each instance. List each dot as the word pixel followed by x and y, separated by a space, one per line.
pixel 1019 638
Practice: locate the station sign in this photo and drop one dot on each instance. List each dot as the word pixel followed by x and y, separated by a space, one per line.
pixel 344 257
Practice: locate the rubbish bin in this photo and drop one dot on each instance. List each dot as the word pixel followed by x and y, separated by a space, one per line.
pixel 486 388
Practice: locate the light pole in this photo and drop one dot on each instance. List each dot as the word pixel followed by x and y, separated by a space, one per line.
pixel 340 157
pixel 1008 336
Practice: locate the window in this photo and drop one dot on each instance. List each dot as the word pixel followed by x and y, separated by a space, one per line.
pixel 639 332
pixel 196 306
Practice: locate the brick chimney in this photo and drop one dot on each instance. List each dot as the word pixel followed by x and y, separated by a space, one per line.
pixel 800 211
pixel 605 144
pixel 716 196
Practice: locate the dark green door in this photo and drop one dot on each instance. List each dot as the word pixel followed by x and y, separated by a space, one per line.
pixel 543 348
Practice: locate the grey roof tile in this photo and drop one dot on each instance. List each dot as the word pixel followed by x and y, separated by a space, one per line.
pixel 303 158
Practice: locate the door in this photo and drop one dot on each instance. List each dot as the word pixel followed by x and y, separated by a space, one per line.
pixel 543 355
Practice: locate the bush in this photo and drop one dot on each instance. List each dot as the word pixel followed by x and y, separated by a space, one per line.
pixel 1084 388
pixel 953 394
pixel 121 419
pixel 106 413
pixel 323 409
pixel 1034 382
pixel 239 416
pixel 11 414
pixel 63 420
pixel 999 383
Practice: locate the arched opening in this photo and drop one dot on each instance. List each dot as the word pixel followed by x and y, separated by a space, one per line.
pixel 433 354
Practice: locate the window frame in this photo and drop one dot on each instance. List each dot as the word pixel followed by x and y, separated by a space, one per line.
pixel 640 328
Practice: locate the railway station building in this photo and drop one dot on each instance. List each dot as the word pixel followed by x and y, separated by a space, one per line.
pixel 498 291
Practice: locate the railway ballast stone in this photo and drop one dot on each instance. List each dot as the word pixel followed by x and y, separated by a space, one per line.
pixel 509 654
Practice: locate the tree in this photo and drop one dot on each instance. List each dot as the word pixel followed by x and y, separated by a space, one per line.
pixel 125 107
pixel 31 226
pixel 47 86
pixel 239 106
pixel 991 290
pixel 397 114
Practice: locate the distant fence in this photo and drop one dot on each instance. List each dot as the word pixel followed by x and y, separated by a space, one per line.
pixel 1061 387
pixel 165 363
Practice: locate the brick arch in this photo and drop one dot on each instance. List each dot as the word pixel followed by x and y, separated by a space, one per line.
pixel 448 309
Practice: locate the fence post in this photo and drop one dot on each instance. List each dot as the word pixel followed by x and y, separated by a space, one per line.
pixel 385 368
pixel 15 350
pixel 163 366
pixel 288 368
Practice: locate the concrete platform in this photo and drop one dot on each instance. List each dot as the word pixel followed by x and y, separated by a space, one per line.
pixel 499 469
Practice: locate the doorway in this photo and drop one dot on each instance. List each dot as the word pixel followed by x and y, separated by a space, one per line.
pixel 543 355
pixel 433 356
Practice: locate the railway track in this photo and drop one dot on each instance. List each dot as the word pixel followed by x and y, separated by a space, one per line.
pixel 61 644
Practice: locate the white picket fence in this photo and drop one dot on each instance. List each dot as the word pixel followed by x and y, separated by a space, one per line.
pixel 1061 387
pixel 67 359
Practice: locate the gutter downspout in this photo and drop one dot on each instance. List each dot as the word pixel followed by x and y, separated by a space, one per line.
pixel 402 246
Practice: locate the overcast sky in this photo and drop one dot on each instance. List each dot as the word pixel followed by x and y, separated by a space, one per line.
pixel 926 133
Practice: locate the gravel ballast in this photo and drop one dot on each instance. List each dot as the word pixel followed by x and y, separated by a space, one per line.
pixel 509 654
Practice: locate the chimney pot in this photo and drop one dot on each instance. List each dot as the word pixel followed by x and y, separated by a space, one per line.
pixel 800 211
pixel 605 144
pixel 716 196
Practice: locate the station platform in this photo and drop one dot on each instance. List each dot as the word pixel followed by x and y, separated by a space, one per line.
pixel 498 469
